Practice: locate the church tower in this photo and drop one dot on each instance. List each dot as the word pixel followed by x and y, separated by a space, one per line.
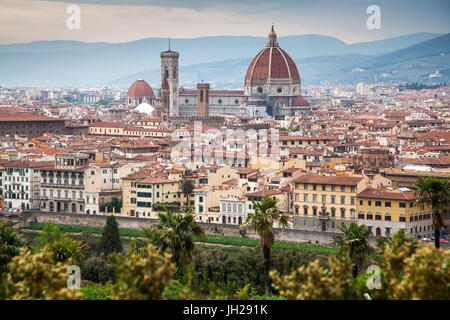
pixel 165 99
pixel 169 69
pixel 203 100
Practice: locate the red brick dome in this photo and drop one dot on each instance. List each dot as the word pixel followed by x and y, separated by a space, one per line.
pixel 272 62
pixel 139 89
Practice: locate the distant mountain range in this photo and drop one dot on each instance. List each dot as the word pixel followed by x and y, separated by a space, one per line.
pixel 222 60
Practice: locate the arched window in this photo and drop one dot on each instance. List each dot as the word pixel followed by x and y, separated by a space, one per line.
pixel 201 96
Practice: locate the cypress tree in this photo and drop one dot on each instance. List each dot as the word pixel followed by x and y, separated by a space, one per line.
pixel 110 241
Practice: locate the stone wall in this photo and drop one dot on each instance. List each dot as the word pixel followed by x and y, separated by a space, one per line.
pixel 290 235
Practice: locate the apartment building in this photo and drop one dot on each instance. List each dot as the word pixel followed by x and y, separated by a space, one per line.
pixel 386 210
pixel 21 184
pixel 140 194
pixel 62 184
pixel 325 202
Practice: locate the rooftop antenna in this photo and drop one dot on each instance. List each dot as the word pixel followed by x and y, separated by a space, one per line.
pixel 169 43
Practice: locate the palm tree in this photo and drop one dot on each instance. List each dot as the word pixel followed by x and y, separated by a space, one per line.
pixel 187 186
pixel 356 238
pixel 434 193
pixel 261 221
pixel 10 243
pixel 67 248
pixel 176 232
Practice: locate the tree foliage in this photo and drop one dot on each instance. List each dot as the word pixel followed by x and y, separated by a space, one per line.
pixel 261 221
pixel 434 193
pixel 407 272
pixel 10 244
pixel 110 241
pixel 36 276
pixel 175 232
pixel 142 276
pixel 98 269
pixel 356 242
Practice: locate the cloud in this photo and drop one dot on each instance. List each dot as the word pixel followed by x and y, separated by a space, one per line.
pixel 120 21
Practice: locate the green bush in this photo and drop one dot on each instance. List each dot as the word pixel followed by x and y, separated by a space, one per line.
pixel 98 269
pixel 97 292
pixel 231 271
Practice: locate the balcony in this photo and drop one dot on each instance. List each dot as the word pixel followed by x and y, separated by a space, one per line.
pixel 70 186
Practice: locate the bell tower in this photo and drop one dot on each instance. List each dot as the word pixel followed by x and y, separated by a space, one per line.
pixel 169 69
pixel 203 99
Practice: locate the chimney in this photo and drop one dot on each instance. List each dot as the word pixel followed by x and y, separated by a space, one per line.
pixel 203 99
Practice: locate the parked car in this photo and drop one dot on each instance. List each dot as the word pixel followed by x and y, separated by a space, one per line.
pixel 426 239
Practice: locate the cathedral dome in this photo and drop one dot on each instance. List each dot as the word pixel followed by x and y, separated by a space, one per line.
pixel 272 62
pixel 139 89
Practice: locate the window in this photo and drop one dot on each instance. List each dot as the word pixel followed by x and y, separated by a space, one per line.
pixel 369 203
pixel 387 204
pixel 377 203
pixel 402 218
pixel 361 202
pixel 352 200
pixel 352 188
pixel 305 211
pixel 342 188
pixel 342 213
pixel 361 215
pixel 305 197
pixel 314 197
pixel 305 186
pixel 324 199
pixel 369 216
pixel 378 216
pixel 343 200
pixel 402 205
pixel 323 187
pixel 387 217
pixel 314 187
pixel 333 199
pixel 333 188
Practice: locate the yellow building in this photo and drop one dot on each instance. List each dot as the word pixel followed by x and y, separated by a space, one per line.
pixel 140 194
pixel 386 210
pixel 336 196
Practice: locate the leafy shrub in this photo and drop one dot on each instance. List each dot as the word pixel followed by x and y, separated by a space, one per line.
pixel 98 269
pixel 36 276
pixel 142 276
pixel 97 292
pixel 232 270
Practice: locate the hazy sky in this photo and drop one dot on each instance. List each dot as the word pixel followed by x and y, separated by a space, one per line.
pixel 122 21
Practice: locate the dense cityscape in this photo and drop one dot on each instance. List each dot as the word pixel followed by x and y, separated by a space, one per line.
pixel 261 192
